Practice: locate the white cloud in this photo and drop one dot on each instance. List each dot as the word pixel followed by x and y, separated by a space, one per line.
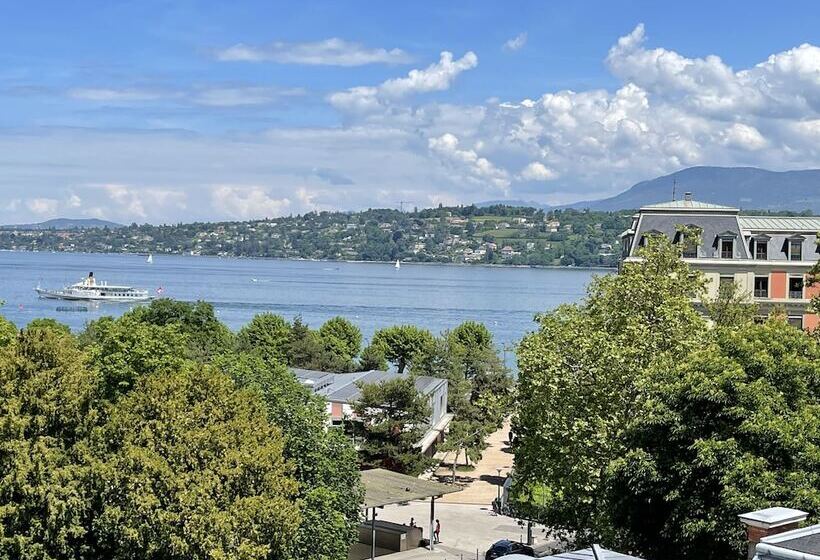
pixel 744 137
pixel 247 202
pixel 43 207
pixel 537 171
pixel 132 203
pixel 74 201
pixel 239 96
pixel 447 147
pixel 667 111
pixel 112 95
pixel 516 43
pixel 439 76
pixel 331 52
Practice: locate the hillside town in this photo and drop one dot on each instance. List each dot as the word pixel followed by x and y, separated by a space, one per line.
pixel 462 234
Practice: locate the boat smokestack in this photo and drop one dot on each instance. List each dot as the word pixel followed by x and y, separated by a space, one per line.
pixel 687 196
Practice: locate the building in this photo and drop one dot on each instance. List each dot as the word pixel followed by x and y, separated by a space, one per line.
pixel 775 534
pixel 768 257
pixel 341 390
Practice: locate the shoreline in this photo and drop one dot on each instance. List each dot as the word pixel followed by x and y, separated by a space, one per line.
pixel 390 262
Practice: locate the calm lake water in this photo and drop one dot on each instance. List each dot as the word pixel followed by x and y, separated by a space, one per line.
pixel 373 295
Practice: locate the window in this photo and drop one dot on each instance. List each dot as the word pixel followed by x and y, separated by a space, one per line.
pixel 690 248
pixel 795 249
pixel 796 287
pixel 761 286
pixel 761 249
pixel 726 285
pixel 796 322
pixel 727 248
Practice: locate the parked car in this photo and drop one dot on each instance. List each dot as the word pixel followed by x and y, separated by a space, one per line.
pixel 504 547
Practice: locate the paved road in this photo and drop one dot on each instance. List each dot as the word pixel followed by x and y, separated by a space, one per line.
pixel 465 528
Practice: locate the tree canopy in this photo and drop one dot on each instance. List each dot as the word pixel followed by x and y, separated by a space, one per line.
pixel 641 428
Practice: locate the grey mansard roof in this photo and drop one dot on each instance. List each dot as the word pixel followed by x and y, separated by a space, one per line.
pixel 809 224
pixel 688 205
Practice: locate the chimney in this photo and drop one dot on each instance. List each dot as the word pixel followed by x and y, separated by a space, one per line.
pixel 770 521
pixel 687 196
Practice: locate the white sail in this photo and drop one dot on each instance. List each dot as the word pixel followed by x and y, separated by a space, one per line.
pixel 150 258
pixel 398 263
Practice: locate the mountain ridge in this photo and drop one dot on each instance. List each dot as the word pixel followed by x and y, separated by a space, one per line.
pixel 65 224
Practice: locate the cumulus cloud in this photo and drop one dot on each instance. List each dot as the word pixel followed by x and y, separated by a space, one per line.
pixel 468 161
pixel 516 43
pixel 43 207
pixel 666 111
pixel 138 203
pixel 247 202
pixel 537 171
pixel 331 52
pixel 439 76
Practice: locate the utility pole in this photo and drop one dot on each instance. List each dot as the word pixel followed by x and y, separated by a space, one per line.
pixel 402 203
pixel 674 188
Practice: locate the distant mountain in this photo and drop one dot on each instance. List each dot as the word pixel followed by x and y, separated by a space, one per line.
pixel 66 223
pixel 742 187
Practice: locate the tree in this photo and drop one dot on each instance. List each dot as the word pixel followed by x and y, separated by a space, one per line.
pixel 42 323
pixel 373 358
pixel 582 382
pixel 192 468
pixel 206 334
pixel 735 427
pixel 48 409
pixel 343 336
pixel 268 336
pixel 324 459
pixel 403 343
pixel 8 332
pixel 125 349
pixel 391 418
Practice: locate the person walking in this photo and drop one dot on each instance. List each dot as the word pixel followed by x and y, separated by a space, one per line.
pixel 436 538
pixel 412 522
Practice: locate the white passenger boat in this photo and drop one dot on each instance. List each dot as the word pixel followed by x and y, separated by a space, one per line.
pixel 89 290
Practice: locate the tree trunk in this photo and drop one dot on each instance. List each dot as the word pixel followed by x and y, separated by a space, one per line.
pixel 455 461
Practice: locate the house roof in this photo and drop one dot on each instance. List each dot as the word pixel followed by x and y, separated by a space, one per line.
pixel 343 387
pixel 801 543
pixel 689 205
pixel 780 223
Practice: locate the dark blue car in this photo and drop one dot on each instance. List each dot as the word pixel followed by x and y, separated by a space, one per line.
pixel 505 547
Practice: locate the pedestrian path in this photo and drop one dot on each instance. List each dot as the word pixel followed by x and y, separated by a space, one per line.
pixel 481 486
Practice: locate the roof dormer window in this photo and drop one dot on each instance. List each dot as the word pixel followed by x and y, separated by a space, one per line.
pixel 795 247
pixel 760 247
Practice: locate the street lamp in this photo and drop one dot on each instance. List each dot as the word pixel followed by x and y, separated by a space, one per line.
pixel 498 494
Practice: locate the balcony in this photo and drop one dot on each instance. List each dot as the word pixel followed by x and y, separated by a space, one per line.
pixel 795 294
pixel 761 293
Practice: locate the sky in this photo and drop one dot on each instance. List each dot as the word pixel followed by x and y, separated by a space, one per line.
pixel 177 111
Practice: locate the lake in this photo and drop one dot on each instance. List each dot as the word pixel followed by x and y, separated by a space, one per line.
pixel 373 295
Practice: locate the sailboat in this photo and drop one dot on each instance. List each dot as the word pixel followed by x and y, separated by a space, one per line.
pixel 398 263
pixel 150 259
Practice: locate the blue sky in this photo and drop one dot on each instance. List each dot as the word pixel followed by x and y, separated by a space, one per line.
pixel 168 111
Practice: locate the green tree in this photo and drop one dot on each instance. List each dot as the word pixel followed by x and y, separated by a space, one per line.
pixel 391 418
pixel 582 381
pixel 42 323
pixel 193 469
pixel 372 358
pixel 343 337
pixel 268 336
pixel 48 409
pixel 733 428
pixel 324 459
pixel 403 343
pixel 8 332
pixel 206 334
pixel 125 349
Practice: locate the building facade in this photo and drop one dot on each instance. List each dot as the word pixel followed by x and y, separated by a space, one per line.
pixel 341 390
pixel 767 257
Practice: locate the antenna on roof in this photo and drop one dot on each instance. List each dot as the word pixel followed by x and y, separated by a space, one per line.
pixel 674 187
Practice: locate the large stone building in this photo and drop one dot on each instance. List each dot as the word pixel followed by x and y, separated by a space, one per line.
pixel 768 257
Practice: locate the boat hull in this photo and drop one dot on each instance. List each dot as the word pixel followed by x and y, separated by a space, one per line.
pixel 54 294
